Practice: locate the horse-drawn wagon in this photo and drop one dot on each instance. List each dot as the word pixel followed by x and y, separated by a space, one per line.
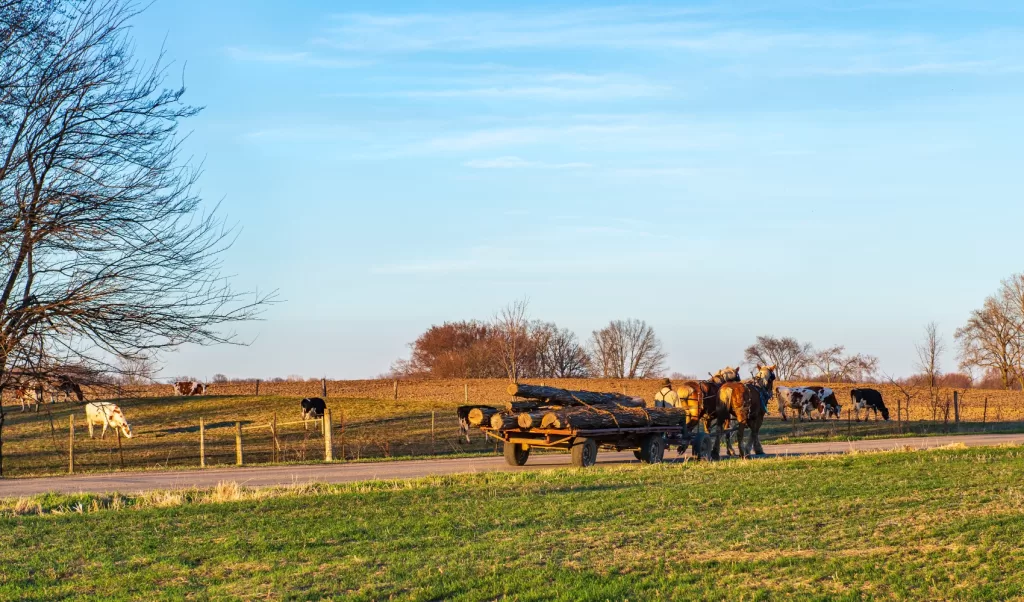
pixel 582 422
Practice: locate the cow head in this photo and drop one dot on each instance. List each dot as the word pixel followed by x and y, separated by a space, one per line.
pixel 117 420
pixel 885 413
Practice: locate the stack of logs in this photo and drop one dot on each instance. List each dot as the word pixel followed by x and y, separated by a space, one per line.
pixel 550 408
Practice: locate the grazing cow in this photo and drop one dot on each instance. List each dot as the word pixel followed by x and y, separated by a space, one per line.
pixel 30 395
pixel 189 387
pixel 313 407
pixel 829 405
pixel 106 414
pixel 68 387
pixel 463 414
pixel 747 401
pixel 868 399
pixel 801 399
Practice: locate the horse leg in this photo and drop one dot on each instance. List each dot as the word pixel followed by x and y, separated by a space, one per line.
pixel 755 436
pixel 728 437
pixel 716 446
pixel 739 439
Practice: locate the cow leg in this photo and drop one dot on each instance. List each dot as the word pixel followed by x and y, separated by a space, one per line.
pixel 103 433
pixel 89 424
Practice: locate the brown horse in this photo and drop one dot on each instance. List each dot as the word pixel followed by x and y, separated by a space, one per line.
pixel 700 398
pixel 746 401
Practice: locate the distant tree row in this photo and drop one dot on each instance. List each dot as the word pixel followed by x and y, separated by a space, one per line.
pixel 514 346
pixel 801 361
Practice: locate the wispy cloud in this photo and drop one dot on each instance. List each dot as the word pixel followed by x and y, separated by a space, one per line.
pixel 929 68
pixel 293 58
pixel 512 162
pixel 559 86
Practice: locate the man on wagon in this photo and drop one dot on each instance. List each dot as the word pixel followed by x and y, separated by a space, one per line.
pixel 667 396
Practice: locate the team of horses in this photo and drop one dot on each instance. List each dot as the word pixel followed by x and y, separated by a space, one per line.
pixel 724 398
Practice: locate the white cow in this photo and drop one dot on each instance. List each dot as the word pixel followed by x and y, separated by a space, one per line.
pixel 106 414
pixel 801 399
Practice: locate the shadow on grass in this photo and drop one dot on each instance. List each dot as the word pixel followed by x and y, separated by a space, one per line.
pixel 195 429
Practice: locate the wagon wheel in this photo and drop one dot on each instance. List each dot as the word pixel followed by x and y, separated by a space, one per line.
pixel 516 454
pixel 652 449
pixel 584 453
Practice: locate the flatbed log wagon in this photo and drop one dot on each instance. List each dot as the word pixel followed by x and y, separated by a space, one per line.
pixel 647 443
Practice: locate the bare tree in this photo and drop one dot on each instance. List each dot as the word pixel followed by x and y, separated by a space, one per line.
pixel 105 249
pixel 859 367
pixel 512 327
pixel 1012 296
pixel 789 356
pixel 828 361
pixel 929 351
pixel 137 370
pixel 559 353
pixel 627 349
pixel 988 340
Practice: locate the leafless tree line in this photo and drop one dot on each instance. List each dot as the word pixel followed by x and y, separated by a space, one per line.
pixel 512 345
pixel 800 361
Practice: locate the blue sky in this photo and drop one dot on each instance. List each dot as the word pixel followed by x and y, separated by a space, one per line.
pixel 840 172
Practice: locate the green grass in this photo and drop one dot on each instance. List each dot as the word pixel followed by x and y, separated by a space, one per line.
pixel 944 524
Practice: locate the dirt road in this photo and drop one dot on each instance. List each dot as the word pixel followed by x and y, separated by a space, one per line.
pixel 130 482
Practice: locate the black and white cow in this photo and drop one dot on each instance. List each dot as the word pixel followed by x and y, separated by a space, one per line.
pixel 463 414
pixel 313 407
pixel 868 399
pixel 828 404
pixel 801 399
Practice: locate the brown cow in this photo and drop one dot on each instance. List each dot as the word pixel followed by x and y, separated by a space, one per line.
pixel 189 387
pixel 747 401
pixel 29 395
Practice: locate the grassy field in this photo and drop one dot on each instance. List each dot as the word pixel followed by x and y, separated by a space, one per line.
pixel 167 432
pixel 943 524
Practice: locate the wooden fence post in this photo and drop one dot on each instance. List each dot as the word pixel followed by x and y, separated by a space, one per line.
pixel 202 443
pixel 276 452
pixel 342 410
pixel 432 416
pixel 328 437
pixel 956 406
pixel 71 444
pixel 465 393
pixel 396 389
pixel 238 443
pixel 257 387
pixel 323 387
pixel 984 415
pixel 120 452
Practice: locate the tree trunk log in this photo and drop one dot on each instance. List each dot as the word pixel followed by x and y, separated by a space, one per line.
pixel 478 416
pixel 555 396
pixel 529 420
pixel 502 422
pixel 608 418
